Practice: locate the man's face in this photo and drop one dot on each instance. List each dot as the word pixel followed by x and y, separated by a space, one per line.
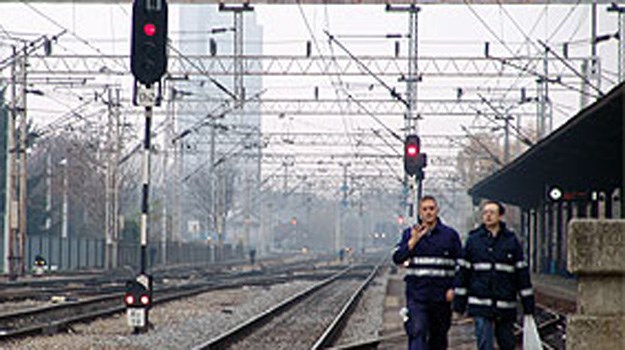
pixel 490 214
pixel 428 211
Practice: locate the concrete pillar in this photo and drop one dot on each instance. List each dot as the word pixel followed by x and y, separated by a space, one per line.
pixel 534 240
pixel 542 240
pixel 596 253
pixel 559 233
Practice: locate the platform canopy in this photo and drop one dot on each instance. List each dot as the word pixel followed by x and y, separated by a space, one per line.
pixel 584 154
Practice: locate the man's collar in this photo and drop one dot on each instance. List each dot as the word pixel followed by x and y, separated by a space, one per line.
pixel 437 225
pixel 502 229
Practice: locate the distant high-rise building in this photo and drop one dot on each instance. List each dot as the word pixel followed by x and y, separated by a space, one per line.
pixel 237 133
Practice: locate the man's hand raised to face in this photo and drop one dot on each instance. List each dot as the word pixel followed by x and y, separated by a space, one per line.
pixel 417 233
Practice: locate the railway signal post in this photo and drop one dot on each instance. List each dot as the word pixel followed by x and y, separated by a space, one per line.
pixel 148 65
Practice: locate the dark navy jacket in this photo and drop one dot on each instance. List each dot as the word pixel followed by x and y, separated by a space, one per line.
pixel 492 272
pixel 431 264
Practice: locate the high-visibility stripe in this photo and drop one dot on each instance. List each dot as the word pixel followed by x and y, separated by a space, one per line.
pixel 526 292
pixel 504 267
pixel 460 291
pixel 478 301
pixel 506 304
pixel 489 302
pixel 521 264
pixel 482 266
pixel 464 263
pixel 421 260
pixel 430 272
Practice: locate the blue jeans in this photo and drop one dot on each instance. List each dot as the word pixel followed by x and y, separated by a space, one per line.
pixel 488 328
pixel 427 325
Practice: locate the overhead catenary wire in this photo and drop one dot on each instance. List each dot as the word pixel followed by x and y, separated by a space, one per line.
pixel 571 68
pixel 56 23
pixel 506 62
pixel 340 83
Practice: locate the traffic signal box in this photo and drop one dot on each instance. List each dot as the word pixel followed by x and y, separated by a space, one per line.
pixel 148 55
pixel 414 160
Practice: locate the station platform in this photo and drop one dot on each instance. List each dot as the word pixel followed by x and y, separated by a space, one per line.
pixel 555 292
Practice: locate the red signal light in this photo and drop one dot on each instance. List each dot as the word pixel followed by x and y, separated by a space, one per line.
pixel 149 29
pixel 129 300
pixel 412 150
pixel 145 300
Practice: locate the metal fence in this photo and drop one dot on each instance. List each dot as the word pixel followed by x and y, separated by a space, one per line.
pixel 67 254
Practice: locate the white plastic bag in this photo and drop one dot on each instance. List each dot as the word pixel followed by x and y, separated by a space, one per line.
pixel 531 338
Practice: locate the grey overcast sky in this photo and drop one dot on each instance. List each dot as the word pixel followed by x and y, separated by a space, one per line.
pixel 451 30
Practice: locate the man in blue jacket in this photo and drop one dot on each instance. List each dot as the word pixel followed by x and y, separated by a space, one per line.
pixel 492 271
pixel 429 251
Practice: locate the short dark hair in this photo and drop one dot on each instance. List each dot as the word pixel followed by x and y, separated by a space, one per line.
pixel 428 198
pixel 500 207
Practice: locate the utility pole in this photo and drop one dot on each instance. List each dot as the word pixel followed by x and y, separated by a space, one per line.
pixel 23 186
pixel 338 244
pixel 339 241
pixel 411 117
pixel 270 239
pixel 246 215
pixel 111 180
pixel 257 189
pixel 178 170
pixel 413 77
pixel 361 224
pixel 11 214
pixel 48 225
pixel 620 10
pixel 108 192
pixel 213 184
pixel 117 149
pixel 543 116
pixel 593 40
pixel 65 211
pixel 221 209
pixel 238 78
pixel 239 88
pixel 506 150
pixel 166 183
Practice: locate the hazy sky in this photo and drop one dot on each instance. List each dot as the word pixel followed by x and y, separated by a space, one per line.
pixel 453 30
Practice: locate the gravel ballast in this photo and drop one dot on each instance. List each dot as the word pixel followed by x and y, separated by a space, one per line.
pixel 176 325
pixel 367 319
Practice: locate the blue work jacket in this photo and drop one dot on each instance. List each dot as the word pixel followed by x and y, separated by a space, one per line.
pixel 492 275
pixel 430 264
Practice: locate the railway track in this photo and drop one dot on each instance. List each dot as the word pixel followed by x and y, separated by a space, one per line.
pixel 551 326
pixel 54 318
pixel 306 320
pixel 78 287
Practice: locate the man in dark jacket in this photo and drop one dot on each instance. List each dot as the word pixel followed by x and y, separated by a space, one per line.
pixel 492 271
pixel 429 251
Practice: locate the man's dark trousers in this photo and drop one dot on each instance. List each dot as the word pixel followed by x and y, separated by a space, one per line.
pixel 424 316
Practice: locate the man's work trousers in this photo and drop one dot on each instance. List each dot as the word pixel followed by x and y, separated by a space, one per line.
pixel 427 325
pixel 488 328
